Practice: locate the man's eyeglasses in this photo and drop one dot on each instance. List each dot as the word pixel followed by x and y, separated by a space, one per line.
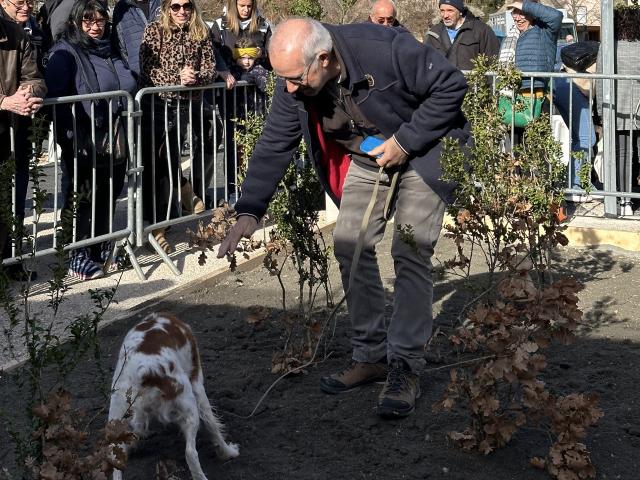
pixel 20 5
pixel 187 7
pixel 385 20
pixel 90 20
pixel 300 79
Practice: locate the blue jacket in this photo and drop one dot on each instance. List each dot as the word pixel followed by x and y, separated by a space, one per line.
pixel 405 88
pixel 536 47
pixel 74 71
pixel 129 23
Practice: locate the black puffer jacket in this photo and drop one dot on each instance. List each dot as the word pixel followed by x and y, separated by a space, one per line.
pixel 474 37
pixel 224 39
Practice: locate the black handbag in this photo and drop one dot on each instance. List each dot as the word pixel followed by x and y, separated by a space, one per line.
pixel 106 145
pixel 580 55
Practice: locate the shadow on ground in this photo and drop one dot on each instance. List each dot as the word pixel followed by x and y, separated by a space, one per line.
pixel 301 433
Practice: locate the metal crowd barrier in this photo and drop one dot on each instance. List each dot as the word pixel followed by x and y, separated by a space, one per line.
pixel 46 235
pixel 206 114
pixel 169 118
pixel 617 191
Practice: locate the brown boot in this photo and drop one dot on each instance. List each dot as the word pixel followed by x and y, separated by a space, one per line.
pixel 400 391
pixel 355 375
pixel 198 205
pixel 191 203
pixel 162 241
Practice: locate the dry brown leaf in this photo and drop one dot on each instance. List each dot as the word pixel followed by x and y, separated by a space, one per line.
pixel 538 462
pixel 48 472
pixel 257 314
pixel 463 216
pixel 530 347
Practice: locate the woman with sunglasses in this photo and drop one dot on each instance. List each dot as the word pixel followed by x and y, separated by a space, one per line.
pixel 176 49
pixel 241 19
pixel 82 62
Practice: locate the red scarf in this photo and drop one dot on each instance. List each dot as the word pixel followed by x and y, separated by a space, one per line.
pixel 334 159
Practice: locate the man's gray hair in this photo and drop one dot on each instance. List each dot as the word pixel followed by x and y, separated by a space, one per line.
pixel 317 40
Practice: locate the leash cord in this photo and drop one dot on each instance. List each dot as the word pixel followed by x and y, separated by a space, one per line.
pixel 354 266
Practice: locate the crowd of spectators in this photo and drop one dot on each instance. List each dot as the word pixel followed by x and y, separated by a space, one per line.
pixel 83 47
pixel 78 47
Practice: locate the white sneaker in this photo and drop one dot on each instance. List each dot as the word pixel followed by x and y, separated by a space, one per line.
pixel 625 209
pixel 579 197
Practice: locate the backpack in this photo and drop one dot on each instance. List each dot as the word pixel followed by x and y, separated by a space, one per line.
pixel 580 55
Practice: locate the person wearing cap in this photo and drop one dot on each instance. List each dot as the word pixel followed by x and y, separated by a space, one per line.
pixel 538 26
pixel 461 36
pixel 384 12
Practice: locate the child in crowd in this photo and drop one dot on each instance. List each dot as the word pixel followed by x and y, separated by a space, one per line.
pixel 245 54
pixel 248 99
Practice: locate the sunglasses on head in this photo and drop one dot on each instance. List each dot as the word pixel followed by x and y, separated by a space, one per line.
pixel 187 7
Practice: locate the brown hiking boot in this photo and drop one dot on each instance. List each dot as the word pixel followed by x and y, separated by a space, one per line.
pixel 400 391
pixel 159 235
pixel 355 375
pixel 191 203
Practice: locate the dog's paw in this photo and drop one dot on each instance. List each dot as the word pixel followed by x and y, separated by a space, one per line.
pixel 228 451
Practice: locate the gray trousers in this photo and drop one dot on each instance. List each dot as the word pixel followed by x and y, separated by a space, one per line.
pixel 406 334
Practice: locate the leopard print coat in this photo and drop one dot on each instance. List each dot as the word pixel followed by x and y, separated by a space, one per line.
pixel 162 57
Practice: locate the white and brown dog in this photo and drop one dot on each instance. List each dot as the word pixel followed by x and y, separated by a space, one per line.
pixel 159 375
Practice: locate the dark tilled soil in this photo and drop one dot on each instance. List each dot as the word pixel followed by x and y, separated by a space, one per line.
pixel 301 433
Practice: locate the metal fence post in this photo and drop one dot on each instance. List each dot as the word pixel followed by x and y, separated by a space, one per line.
pixel 133 181
pixel 608 106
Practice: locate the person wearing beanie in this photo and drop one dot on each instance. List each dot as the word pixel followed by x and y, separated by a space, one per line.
pixel 461 36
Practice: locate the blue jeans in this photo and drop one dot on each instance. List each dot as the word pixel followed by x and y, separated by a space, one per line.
pixel 579 119
pixel 409 329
